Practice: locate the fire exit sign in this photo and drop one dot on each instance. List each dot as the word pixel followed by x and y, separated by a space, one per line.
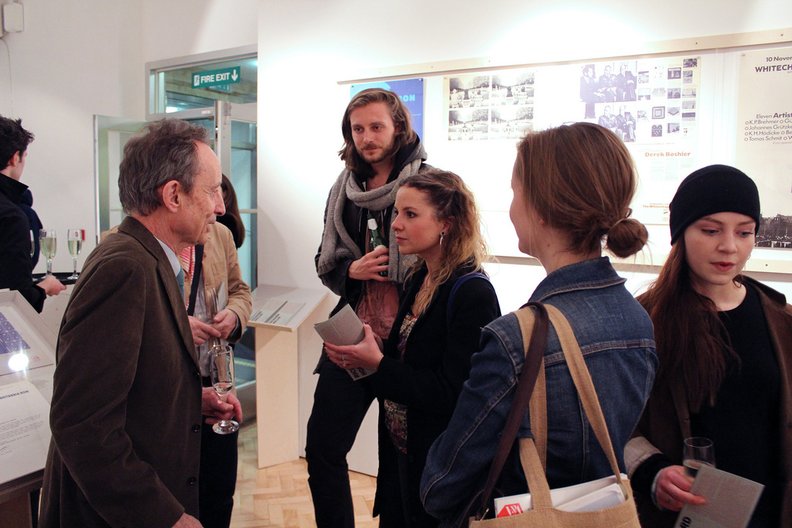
pixel 207 78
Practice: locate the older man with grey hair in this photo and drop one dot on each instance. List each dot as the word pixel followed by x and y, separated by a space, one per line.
pixel 127 399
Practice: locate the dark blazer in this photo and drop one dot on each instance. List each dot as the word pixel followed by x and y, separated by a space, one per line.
pixel 666 418
pixel 429 380
pixel 16 266
pixel 126 403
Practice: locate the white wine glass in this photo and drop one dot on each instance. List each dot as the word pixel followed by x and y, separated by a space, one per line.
pixel 221 374
pixel 49 246
pixel 697 451
pixel 75 238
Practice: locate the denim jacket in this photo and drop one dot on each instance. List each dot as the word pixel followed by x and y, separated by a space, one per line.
pixel 616 337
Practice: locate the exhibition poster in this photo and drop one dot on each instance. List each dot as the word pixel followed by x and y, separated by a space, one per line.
pixel 764 141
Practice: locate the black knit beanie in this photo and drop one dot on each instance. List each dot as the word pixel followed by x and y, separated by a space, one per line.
pixel 713 189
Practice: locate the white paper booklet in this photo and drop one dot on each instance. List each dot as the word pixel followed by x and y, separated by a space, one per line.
pixel 588 496
pixel 24 430
pixel 730 500
pixel 344 328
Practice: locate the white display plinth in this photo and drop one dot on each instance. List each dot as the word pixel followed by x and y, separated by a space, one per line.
pixel 25 339
pixel 278 312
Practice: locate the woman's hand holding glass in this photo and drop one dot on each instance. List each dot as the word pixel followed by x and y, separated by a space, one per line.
pixel 672 485
pixel 366 354
pixel 672 489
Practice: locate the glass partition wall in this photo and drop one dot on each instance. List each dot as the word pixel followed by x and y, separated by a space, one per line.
pixel 217 91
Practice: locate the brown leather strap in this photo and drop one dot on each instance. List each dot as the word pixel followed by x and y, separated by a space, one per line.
pixel 537 411
pixel 535 341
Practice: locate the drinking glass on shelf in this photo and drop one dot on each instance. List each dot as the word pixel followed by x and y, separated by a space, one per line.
pixel 75 240
pixel 49 246
pixel 698 451
pixel 221 374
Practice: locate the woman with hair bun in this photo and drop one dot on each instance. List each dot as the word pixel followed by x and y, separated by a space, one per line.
pixel 572 190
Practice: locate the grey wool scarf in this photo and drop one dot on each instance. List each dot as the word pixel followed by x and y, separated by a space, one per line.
pixel 338 245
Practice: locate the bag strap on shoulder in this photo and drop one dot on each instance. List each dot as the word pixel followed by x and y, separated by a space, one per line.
pixel 534 326
pixel 458 284
pixel 196 279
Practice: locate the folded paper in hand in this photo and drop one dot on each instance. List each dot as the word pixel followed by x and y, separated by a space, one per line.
pixel 731 500
pixel 588 496
pixel 344 328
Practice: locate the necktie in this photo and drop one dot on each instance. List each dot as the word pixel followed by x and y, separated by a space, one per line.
pixel 180 280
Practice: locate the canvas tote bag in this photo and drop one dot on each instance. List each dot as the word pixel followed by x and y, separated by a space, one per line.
pixel 533 450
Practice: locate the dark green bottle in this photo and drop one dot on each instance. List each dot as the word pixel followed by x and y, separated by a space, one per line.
pixel 375 238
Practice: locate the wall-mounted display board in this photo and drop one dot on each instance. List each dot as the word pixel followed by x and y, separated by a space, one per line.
pixel 676 111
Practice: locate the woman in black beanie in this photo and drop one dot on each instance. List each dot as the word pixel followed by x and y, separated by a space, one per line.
pixel 724 342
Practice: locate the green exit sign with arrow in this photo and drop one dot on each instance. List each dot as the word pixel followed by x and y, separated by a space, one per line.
pixel 216 77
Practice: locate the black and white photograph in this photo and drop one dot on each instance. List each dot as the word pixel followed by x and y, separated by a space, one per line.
pixel 689 91
pixel 512 88
pixel 690 62
pixel 468 124
pixel 608 82
pixel 510 122
pixel 775 232
pixel 471 91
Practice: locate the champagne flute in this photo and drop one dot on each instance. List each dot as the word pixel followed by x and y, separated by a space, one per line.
pixel 49 246
pixel 75 240
pixel 698 451
pixel 221 374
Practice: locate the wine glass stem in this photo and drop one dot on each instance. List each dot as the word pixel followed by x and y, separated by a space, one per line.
pixel 49 266
pixel 74 261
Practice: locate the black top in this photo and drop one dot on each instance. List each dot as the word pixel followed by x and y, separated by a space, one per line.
pixel 16 267
pixel 428 378
pixel 35 223
pixel 749 397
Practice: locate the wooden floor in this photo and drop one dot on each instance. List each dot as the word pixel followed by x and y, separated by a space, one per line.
pixel 279 496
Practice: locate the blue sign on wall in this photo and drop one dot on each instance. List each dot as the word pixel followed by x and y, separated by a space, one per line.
pixel 409 90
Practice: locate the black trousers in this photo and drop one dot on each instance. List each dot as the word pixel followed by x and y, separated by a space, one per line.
pixel 340 404
pixel 217 479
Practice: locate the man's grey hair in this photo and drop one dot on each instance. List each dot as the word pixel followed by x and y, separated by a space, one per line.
pixel 166 150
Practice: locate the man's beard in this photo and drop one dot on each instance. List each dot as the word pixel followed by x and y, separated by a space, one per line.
pixel 386 153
